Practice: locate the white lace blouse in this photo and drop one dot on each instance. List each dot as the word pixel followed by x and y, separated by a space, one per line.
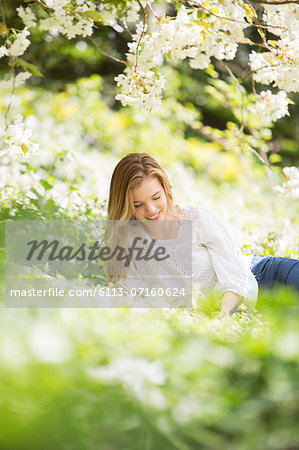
pixel 214 265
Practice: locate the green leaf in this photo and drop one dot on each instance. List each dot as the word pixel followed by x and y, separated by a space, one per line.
pixel 93 15
pixel 275 158
pixel 50 206
pixel 39 197
pixel 46 185
pixel 28 66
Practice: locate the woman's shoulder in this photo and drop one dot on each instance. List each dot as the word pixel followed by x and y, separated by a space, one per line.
pixel 193 212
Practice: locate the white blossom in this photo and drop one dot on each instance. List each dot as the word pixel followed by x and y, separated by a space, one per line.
pixel 109 16
pixel 3 51
pixel 17 141
pixel 290 187
pixel 19 80
pixel 140 88
pixel 27 16
pixel 138 375
pixel 20 44
pixel 281 64
pixel 70 25
pixel 132 14
pixel 181 37
pixel 270 107
pixel 17 148
pixel 284 17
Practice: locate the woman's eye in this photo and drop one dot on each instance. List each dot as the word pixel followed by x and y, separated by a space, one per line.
pixel 156 198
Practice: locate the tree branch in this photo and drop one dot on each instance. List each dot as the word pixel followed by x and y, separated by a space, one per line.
pixel 126 26
pixel 239 89
pixel 210 137
pixel 2 13
pixel 141 36
pixel 239 21
pixel 105 54
pixel 227 145
pixel 12 96
pixel 259 156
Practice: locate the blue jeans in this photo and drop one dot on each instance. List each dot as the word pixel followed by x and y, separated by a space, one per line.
pixel 270 271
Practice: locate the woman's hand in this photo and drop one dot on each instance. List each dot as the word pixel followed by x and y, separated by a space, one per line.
pixel 229 301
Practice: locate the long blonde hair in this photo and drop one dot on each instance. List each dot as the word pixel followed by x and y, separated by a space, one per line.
pixel 128 174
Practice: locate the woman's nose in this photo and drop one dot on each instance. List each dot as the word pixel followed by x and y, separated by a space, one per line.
pixel 150 210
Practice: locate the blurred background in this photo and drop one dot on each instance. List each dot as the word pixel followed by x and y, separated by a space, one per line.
pixel 164 379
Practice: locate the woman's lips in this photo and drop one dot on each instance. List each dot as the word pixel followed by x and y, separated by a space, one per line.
pixel 155 217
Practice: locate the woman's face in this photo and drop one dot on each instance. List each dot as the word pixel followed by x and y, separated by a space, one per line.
pixel 150 201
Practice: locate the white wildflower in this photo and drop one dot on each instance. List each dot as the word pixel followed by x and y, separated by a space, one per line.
pixel 17 141
pixel 136 374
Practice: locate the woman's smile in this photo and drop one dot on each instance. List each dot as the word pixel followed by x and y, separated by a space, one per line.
pixel 155 216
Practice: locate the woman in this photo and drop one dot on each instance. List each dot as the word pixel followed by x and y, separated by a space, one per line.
pixel 141 192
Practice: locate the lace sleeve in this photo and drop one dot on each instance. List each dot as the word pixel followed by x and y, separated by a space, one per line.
pixel 231 275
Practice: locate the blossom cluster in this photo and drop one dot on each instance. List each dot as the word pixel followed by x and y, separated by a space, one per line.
pixel 187 36
pixel 17 141
pixel 67 20
pixel 32 176
pixel 15 44
pixel 18 185
pixel 139 88
pixel 16 81
pixel 138 375
pixel 270 107
pixel 280 64
pixel 196 32
pixel 27 16
pixel 290 187
pixel 181 37
pixel 215 29
pixel 16 150
pixel 63 18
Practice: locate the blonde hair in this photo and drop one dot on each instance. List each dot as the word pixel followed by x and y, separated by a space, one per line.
pixel 128 174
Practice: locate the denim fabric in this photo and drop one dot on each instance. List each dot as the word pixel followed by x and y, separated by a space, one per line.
pixel 270 270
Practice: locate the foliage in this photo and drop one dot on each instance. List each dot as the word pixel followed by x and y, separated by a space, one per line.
pixel 87 379
pixel 163 34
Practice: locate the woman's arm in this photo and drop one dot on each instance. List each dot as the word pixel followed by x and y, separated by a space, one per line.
pixel 234 280
pixel 229 301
